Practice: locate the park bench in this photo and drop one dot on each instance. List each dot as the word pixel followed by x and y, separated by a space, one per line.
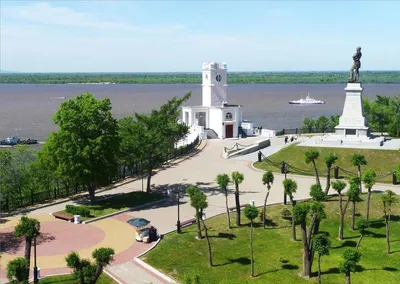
pixel 233 208
pixel 63 217
pixel 188 222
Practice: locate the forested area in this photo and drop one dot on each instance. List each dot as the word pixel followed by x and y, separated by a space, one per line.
pixel 91 149
pixel 376 77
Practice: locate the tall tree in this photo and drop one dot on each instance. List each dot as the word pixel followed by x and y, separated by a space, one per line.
pixel 388 199
pixel 311 157
pixel 223 180
pixel 362 224
pixel 330 159
pixel 237 179
pixel 308 125
pixel 86 271
pixel 333 122
pixel 300 212
pixel 5 178
pixel 28 228
pixel 339 186
pixel 267 179
pixel 322 124
pixel 86 144
pixel 198 200
pixel 354 196
pixel 316 193
pixel 290 187
pixel 350 259
pixel 380 113
pixel 251 212
pixel 358 160
pixel 322 245
pixel 369 179
pixel 395 110
pixel 159 131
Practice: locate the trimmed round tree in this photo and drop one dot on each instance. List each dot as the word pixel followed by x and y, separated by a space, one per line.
pixel 321 245
pixel 369 179
pixel 311 157
pixel 267 179
pixel 251 212
pixel 350 259
pixel 237 178
pixel 290 187
pixel 18 270
pixel 223 181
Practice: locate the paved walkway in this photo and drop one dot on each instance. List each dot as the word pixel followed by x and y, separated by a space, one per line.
pixel 202 170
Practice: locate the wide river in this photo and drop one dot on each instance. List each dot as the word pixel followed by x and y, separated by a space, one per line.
pixel 27 110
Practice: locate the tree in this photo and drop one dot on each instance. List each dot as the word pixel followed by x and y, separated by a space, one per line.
pixel 198 200
pixel 158 132
pixel 267 179
pixel 322 124
pixel 311 157
pixel 358 160
pixel 316 193
pixel 354 196
pixel 251 212
pixel 30 229
pixel 322 245
pixel 300 212
pixel 330 159
pixel 369 179
pixel 5 177
pixel 388 199
pixel 395 110
pixel 223 180
pixel 380 113
pixel 130 146
pixel 86 144
pixel 86 271
pixel 308 125
pixel 237 179
pixel 362 224
pixel 350 259
pixel 339 186
pixel 290 187
pixel 18 270
pixel 333 122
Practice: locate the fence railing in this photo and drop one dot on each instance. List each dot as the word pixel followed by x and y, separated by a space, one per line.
pixel 9 203
pixel 339 172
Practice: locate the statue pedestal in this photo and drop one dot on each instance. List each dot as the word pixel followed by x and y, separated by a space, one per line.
pixel 352 123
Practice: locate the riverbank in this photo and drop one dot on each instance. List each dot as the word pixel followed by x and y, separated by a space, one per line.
pixel 312 77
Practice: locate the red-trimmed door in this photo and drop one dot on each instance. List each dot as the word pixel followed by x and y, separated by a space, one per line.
pixel 229 131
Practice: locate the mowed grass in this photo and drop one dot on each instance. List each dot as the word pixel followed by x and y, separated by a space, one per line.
pixel 119 202
pixel 71 279
pixel 382 161
pixel 277 258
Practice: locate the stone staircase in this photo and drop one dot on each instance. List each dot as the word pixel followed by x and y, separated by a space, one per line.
pixel 211 134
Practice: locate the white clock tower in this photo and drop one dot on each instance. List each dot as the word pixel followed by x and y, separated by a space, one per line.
pixel 214 84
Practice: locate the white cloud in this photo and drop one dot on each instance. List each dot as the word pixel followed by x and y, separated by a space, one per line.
pixel 44 13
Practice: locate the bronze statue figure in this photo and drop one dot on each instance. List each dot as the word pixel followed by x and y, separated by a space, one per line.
pixel 356 67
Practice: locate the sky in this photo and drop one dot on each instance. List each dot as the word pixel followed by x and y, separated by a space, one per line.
pixel 177 36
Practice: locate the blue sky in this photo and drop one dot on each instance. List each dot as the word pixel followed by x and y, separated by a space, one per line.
pixel 177 36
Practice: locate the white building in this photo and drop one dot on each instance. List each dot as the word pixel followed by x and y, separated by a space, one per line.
pixel 215 114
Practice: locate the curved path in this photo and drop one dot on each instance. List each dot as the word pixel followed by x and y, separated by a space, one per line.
pixel 201 170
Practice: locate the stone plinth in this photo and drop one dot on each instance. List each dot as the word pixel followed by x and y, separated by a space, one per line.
pixel 352 123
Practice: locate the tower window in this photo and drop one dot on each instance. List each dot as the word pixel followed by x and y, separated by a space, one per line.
pixel 228 115
pixel 218 78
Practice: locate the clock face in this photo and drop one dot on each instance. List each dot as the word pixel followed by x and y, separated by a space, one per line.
pixel 218 78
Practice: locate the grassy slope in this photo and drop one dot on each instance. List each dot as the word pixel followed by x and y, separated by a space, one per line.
pixel 382 161
pixel 70 279
pixel 119 202
pixel 277 258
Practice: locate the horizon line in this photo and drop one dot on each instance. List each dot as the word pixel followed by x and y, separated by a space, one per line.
pixel 181 72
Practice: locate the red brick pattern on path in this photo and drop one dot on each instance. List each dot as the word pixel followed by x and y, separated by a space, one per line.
pixel 56 238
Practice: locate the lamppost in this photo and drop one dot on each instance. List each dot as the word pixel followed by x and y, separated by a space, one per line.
pixel 178 196
pixel 35 269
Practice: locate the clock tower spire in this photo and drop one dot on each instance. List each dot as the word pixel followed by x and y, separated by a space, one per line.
pixel 214 84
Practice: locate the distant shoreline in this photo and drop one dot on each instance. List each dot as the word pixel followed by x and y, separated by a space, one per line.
pixel 366 77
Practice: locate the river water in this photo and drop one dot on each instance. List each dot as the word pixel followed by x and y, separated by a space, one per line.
pixel 27 110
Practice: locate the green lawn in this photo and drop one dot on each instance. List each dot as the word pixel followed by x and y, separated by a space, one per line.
pixel 118 203
pixel 71 279
pixel 277 258
pixel 382 161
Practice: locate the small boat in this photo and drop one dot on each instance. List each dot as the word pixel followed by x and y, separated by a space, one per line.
pixel 307 101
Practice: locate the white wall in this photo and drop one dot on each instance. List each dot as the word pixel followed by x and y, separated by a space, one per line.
pixel 216 122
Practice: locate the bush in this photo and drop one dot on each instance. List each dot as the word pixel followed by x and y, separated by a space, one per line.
pixel 286 214
pixel 78 210
pixel 18 270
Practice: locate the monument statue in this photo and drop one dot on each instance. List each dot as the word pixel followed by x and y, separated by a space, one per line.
pixel 356 66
